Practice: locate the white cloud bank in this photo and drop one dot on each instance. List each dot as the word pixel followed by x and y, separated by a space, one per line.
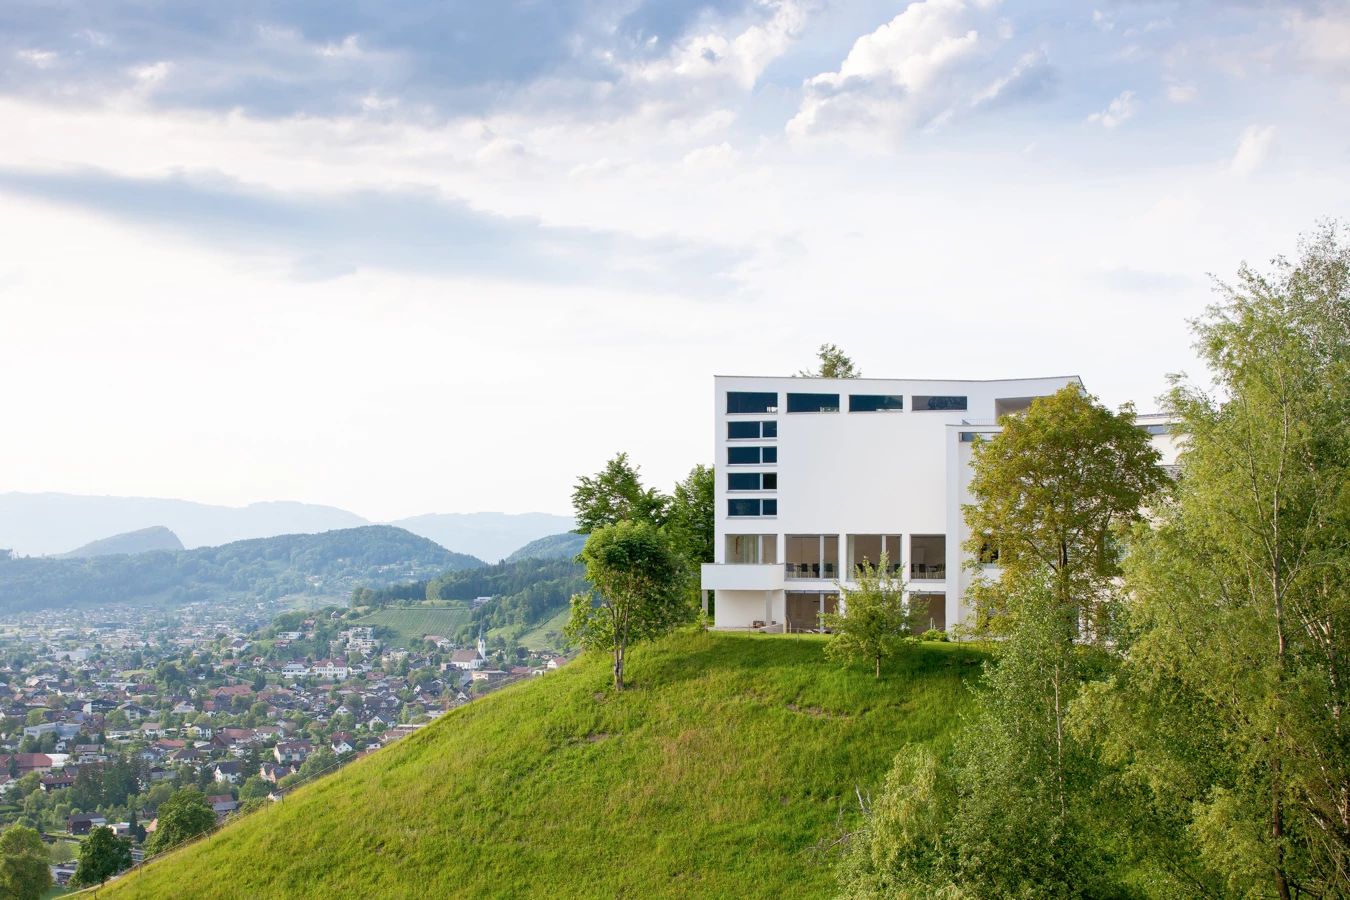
pixel 1124 107
pixel 1252 149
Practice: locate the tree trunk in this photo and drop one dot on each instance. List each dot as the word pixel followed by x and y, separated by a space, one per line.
pixel 878 666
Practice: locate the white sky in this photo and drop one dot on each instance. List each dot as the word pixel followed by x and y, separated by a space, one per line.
pixel 231 272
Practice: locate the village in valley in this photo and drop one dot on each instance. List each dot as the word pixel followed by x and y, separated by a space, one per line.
pixel 107 712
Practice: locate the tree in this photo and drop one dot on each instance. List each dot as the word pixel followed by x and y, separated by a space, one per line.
pixel 691 516
pixel 833 364
pixel 638 591
pixel 1052 491
pixel 1231 702
pixel 184 815
pixel 25 873
pixel 102 855
pixel 253 788
pixel 616 494
pixel 876 619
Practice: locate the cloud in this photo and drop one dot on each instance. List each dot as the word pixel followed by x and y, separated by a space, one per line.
pixel 409 230
pixel 1182 93
pixel 1252 149
pixel 1124 107
pixel 923 67
pixel 718 157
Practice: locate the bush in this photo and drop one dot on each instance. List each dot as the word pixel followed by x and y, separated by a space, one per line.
pixel 934 634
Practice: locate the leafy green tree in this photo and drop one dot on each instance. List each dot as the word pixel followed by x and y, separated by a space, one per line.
pixel 833 364
pixel 184 815
pixel 1052 492
pixel 1230 704
pixel 639 591
pixel 690 520
pixel 616 494
pixel 25 873
pixel 102 855
pixel 877 618
pixel 253 788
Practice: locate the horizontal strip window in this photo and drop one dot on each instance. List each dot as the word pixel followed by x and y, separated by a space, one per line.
pixel 752 481
pixel 970 437
pixel 740 508
pixel 812 403
pixel 752 431
pixel 876 402
pixel 742 402
pixel 1157 429
pixel 938 404
pixel 752 456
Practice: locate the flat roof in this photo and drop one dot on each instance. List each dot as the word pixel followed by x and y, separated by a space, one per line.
pixel 1077 378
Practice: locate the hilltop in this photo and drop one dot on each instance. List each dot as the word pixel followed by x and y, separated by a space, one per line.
pixel 156 537
pixel 52 523
pixel 321 565
pixel 717 775
pixel 554 546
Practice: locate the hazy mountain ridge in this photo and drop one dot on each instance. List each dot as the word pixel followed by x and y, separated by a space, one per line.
pixel 53 523
pixel 156 537
pixel 330 564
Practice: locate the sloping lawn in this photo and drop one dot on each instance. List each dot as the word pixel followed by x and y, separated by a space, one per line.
pixel 714 775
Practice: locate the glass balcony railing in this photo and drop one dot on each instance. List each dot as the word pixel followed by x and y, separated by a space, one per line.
pixel 811 570
pixel 926 572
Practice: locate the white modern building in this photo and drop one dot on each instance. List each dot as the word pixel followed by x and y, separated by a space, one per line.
pixel 816 475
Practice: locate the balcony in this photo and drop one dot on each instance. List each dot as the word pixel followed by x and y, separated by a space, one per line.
pixel 817 571
pixel 928 572
pixel 741 577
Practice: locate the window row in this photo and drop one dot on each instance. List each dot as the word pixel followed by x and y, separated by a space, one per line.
pixel 752 481
pixel 741 507
pixel 752 456
pixel 756 402
pixel 817 555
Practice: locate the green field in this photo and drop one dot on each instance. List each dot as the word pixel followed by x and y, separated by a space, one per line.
pixel 729 759
pixel 547 635
pixel 412 624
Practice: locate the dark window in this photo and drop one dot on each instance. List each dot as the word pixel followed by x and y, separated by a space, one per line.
pixel 1157 429
pixel 770 428
pixel 742 431
pixel 970 437
pixel 938 403
pixel 876 402
pixel 802 403
pixel 751 402
pixel 770 455
pixel 770 481
pixel 742 507
pixel 770 507
pixel 743 481
pixel 742 456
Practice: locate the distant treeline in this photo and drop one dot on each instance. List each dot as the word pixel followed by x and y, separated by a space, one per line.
pixel 258 569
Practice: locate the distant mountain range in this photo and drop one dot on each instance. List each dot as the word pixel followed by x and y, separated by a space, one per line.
pixel 156 537
pixel 330 565
pixel 50 524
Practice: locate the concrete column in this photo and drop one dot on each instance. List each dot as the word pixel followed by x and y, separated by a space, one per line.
pixel 704 598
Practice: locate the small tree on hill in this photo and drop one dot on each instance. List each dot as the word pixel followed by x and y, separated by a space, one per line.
pixel 24 870
pixel 616 494
pixel 184 815
pixel 638 591
pixel 102 855
pixel 876 619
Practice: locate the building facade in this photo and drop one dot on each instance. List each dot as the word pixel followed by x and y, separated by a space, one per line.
pixel 815 476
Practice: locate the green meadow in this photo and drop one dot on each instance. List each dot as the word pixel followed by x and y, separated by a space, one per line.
pixel 723 772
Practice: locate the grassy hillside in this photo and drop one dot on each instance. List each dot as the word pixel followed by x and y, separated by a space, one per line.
pixel 730 758
pixel 555 546
pixel 547 635
pixel 412 624
pixel 328 564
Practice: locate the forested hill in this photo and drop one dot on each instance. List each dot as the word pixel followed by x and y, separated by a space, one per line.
pixel 329 564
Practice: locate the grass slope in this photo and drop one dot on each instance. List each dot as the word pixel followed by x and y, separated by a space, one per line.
pixel 413 624
pixel 729 759
pixel 547 635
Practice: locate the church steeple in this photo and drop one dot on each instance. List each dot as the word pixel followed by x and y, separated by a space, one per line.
pixel 482 644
